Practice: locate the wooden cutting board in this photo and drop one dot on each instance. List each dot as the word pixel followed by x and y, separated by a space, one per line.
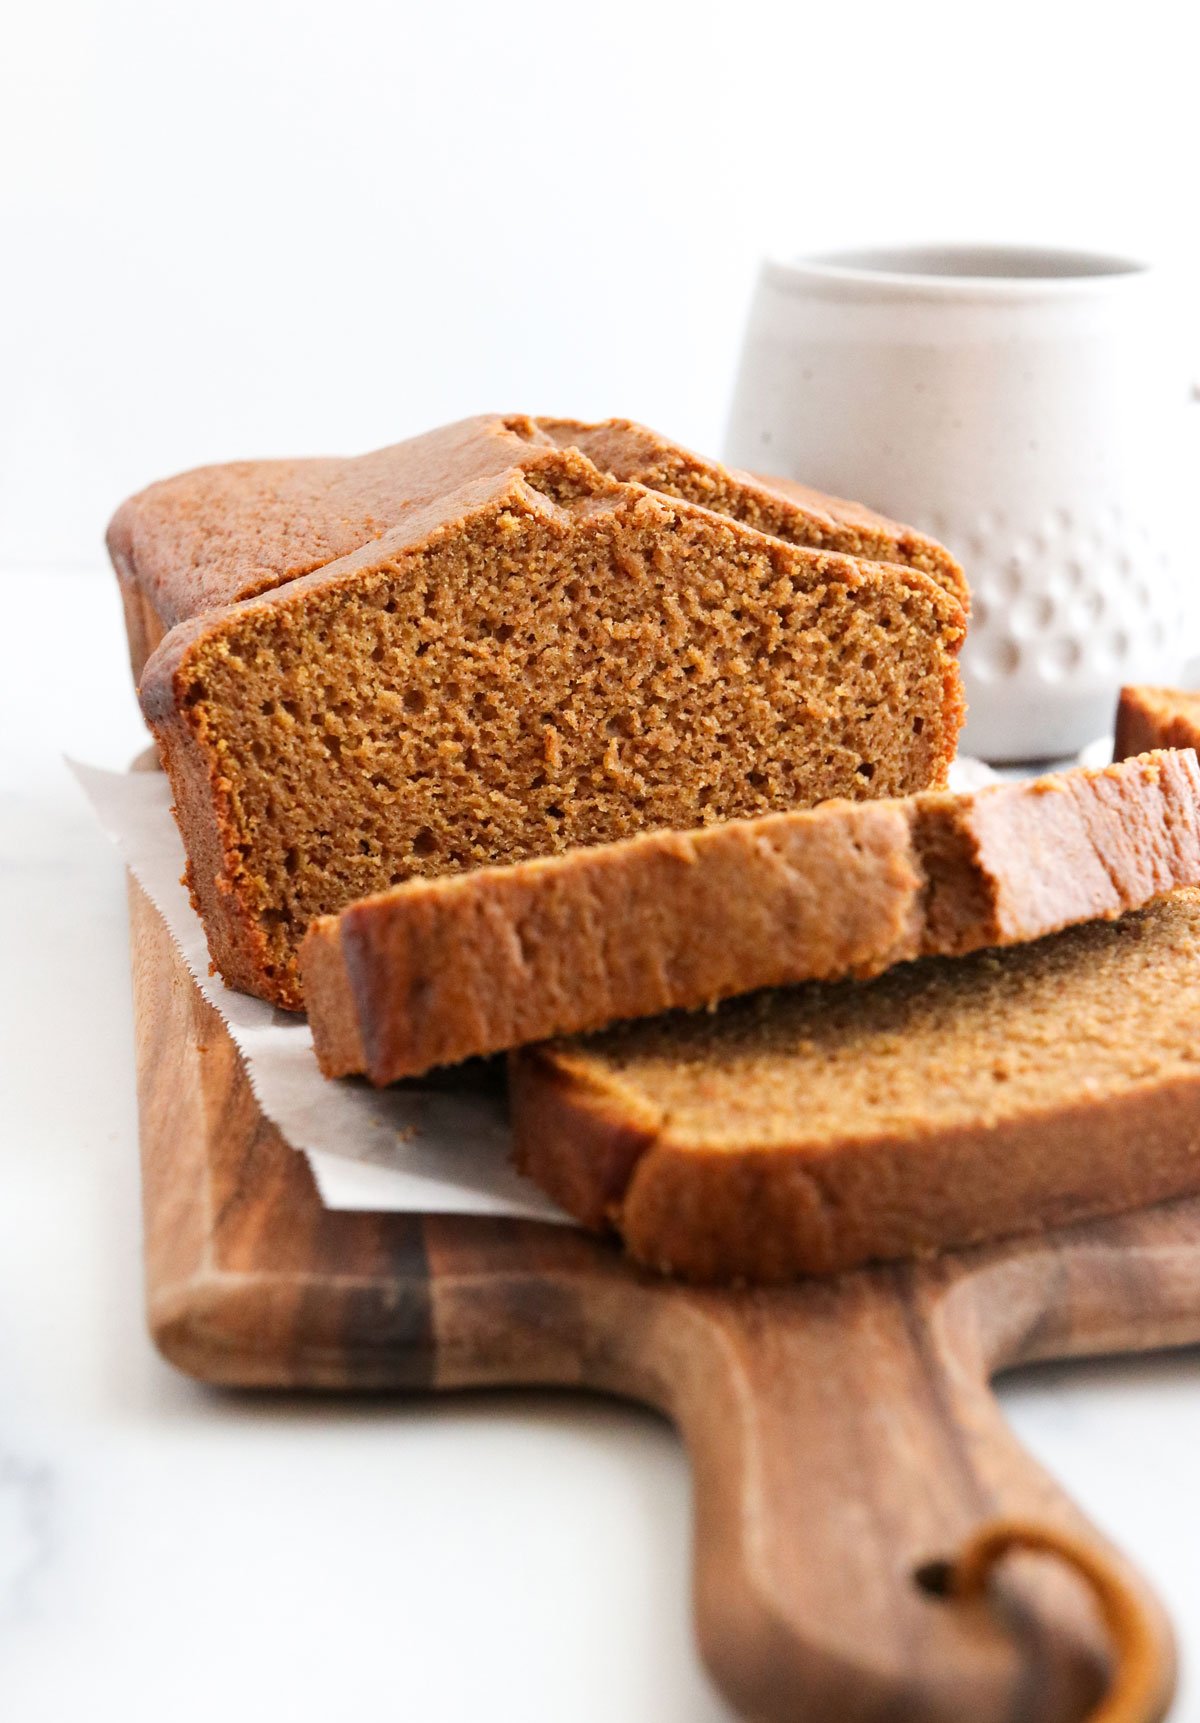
pixel 842 1433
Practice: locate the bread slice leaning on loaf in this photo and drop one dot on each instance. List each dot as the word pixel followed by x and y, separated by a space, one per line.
pixel 541 658
pixel 440 970
pixel 947 1102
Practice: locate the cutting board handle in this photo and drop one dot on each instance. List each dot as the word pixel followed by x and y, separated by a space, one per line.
pixel 849 1458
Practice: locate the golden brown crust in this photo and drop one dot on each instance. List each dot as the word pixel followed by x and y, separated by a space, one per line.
pixel 440 970
pixel 1155 718
pixel 949 1102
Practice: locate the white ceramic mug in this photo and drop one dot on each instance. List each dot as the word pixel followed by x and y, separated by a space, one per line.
pixel 1027 408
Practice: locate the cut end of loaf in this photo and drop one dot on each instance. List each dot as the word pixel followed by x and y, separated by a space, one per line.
pixel 564 662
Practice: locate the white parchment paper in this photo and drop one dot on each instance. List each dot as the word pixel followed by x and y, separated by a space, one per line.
pixel 431 1148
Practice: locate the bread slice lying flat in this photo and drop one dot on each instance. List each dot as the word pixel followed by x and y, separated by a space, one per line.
pixel 439 970
pixel 1156 718
pixel 946 1102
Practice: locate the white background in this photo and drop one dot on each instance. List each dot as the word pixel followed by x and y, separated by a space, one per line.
pixel 257 227
pixel 242 227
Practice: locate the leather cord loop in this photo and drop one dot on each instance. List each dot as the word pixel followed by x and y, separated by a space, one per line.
pixel 1142 1681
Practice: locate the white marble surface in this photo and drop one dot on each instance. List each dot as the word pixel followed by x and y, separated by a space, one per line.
pixel 167 1552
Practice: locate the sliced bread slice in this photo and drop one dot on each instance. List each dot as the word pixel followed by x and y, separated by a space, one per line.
pixel 439 970
pixel 947 1102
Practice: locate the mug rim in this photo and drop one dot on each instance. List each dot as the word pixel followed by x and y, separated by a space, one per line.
pixel 968 269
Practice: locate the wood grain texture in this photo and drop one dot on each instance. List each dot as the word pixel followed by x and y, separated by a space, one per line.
pixel 842 1433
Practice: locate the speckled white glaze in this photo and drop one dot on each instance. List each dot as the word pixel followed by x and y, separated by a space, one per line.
pixel 1027 408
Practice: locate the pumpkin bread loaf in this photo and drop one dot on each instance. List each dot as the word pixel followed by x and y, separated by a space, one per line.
pixel 534 659
pixel 947 1102
pixel 1156 718
pixel 439 970
pixel 210 537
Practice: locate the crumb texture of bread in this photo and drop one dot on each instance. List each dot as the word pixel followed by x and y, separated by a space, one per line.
pixel 440 970
pixel 1156 718
pixel 947 1102
pixel 523 668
